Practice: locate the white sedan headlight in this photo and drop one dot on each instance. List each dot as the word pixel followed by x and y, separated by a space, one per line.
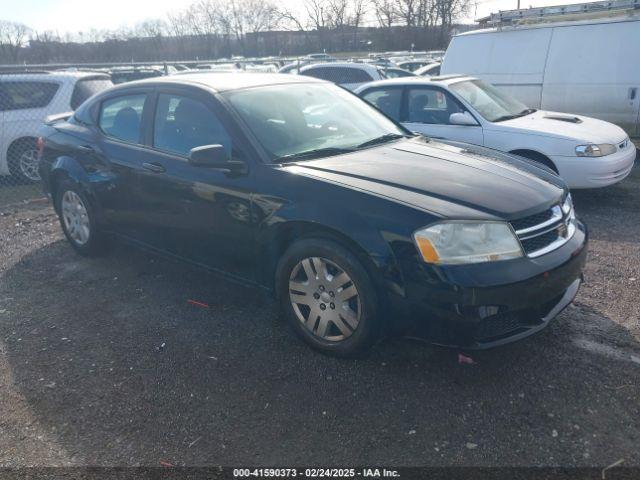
pixel 459 242
pixel 593 150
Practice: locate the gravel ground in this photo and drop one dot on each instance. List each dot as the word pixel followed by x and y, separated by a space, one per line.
pixel 104 362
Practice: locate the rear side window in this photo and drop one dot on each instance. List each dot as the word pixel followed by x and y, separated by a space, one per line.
pixel 121 117
pixel 23 95
pixel 182 123
pixel 339 75
pixel 387 100
pixel 86 88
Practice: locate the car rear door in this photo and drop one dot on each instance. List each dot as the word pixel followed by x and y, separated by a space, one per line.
pixel 427 110
pixel 4 169
pixel 120 141
pixel 200 214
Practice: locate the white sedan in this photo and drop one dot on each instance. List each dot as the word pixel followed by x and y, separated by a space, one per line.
pixel 585 152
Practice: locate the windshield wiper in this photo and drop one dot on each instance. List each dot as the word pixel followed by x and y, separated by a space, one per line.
pixel 387 137
pixel 515 115
pixel 315 153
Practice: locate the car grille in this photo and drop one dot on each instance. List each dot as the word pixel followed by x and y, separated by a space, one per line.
pixel 498 325
pixel 545 231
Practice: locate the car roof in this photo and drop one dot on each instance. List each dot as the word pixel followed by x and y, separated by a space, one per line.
pixel 442 81
pixel 224 81
pixel 53 75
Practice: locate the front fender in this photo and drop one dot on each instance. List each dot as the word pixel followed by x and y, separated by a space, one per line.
pixel 356 232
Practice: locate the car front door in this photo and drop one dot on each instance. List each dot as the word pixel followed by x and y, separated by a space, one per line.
pixel 4 104
pixel 199 213
pixel 427 110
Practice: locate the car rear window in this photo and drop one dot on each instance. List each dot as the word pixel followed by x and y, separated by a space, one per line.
pixel 86 88
pixel 22 95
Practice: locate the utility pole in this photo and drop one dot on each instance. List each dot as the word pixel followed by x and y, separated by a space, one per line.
pixel 518 5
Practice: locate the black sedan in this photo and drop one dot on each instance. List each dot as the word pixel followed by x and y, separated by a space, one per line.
pixel 298 186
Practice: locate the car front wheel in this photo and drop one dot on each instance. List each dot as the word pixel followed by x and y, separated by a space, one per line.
pixel 328 297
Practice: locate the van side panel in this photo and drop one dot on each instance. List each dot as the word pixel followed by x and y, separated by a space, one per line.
pixel 592 69
pixel 511 60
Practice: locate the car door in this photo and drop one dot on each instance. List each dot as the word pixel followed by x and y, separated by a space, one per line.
pixel 198 213
pixel 427 111
pixel 119 141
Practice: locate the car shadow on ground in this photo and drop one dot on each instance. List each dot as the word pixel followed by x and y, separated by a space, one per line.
pixel 116 367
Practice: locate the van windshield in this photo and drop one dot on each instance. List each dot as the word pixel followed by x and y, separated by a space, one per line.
pixel 491 103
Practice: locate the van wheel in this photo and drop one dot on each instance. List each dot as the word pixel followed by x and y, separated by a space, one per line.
pixel 328 297
pixel 23 160
pixel 77 218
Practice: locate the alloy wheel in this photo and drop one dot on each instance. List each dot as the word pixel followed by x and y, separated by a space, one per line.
pixel 324 299
pixel 75 217
pixel 28 163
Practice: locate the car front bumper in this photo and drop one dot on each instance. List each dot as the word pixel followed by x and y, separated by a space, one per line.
pixel 486 305
pixel 594 172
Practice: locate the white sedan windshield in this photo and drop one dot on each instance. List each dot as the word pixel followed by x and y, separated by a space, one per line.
pixel 491 103
pixel 295 119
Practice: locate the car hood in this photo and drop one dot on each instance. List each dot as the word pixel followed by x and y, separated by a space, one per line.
pixel 451 180
pixel 564 125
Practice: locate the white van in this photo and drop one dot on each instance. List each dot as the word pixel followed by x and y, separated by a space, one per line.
pixel 589 67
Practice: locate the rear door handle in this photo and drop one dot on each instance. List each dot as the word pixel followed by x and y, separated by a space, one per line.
pixel 86 148
pixel 153 167
pixel 632 93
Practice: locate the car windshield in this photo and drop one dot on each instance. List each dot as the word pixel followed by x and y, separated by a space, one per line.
pixel 296 121
pixel 491 103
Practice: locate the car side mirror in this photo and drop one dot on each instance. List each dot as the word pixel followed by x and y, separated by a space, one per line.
pixel 215 156
pixel 462 119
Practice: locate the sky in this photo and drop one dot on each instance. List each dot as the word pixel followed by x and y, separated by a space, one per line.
pixel 72 16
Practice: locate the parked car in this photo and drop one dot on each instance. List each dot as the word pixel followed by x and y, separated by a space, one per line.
pixel 585 152
pixel 346 74
pixel 430 70
pixel 129 74
pixel 25 100
pixel 393 72
pixel 324 57
pixel 413 65
pixel 586 67
pixel 299 186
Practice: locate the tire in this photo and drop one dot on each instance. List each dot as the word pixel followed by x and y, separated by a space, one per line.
pixel 78 219
pixel 23 160
pixel 318 278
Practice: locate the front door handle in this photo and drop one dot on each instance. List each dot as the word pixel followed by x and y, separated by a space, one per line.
pixel 632 93
pixel 153 167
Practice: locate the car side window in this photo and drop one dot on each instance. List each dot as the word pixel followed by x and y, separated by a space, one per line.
pixel 431 105
pixel 387 100
pixel 182 123
pixel 121 117
pixel 23 95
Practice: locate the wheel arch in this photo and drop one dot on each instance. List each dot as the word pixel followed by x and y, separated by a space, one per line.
pixel 278 238
pixel 537 156
pixel 68 168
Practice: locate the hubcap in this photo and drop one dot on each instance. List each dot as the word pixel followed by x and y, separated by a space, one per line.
pixel 75 217
pixel 29 165
pixel 325 299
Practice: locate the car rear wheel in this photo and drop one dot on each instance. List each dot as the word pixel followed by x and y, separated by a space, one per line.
pixel 23 161
pixel 78 219
pixel 328 297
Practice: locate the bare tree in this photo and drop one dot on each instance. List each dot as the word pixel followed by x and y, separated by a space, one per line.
pixel 12 38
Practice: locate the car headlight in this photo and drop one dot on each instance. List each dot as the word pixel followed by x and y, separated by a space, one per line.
pixel 567 208
pixel 458 242
pixel 593 150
